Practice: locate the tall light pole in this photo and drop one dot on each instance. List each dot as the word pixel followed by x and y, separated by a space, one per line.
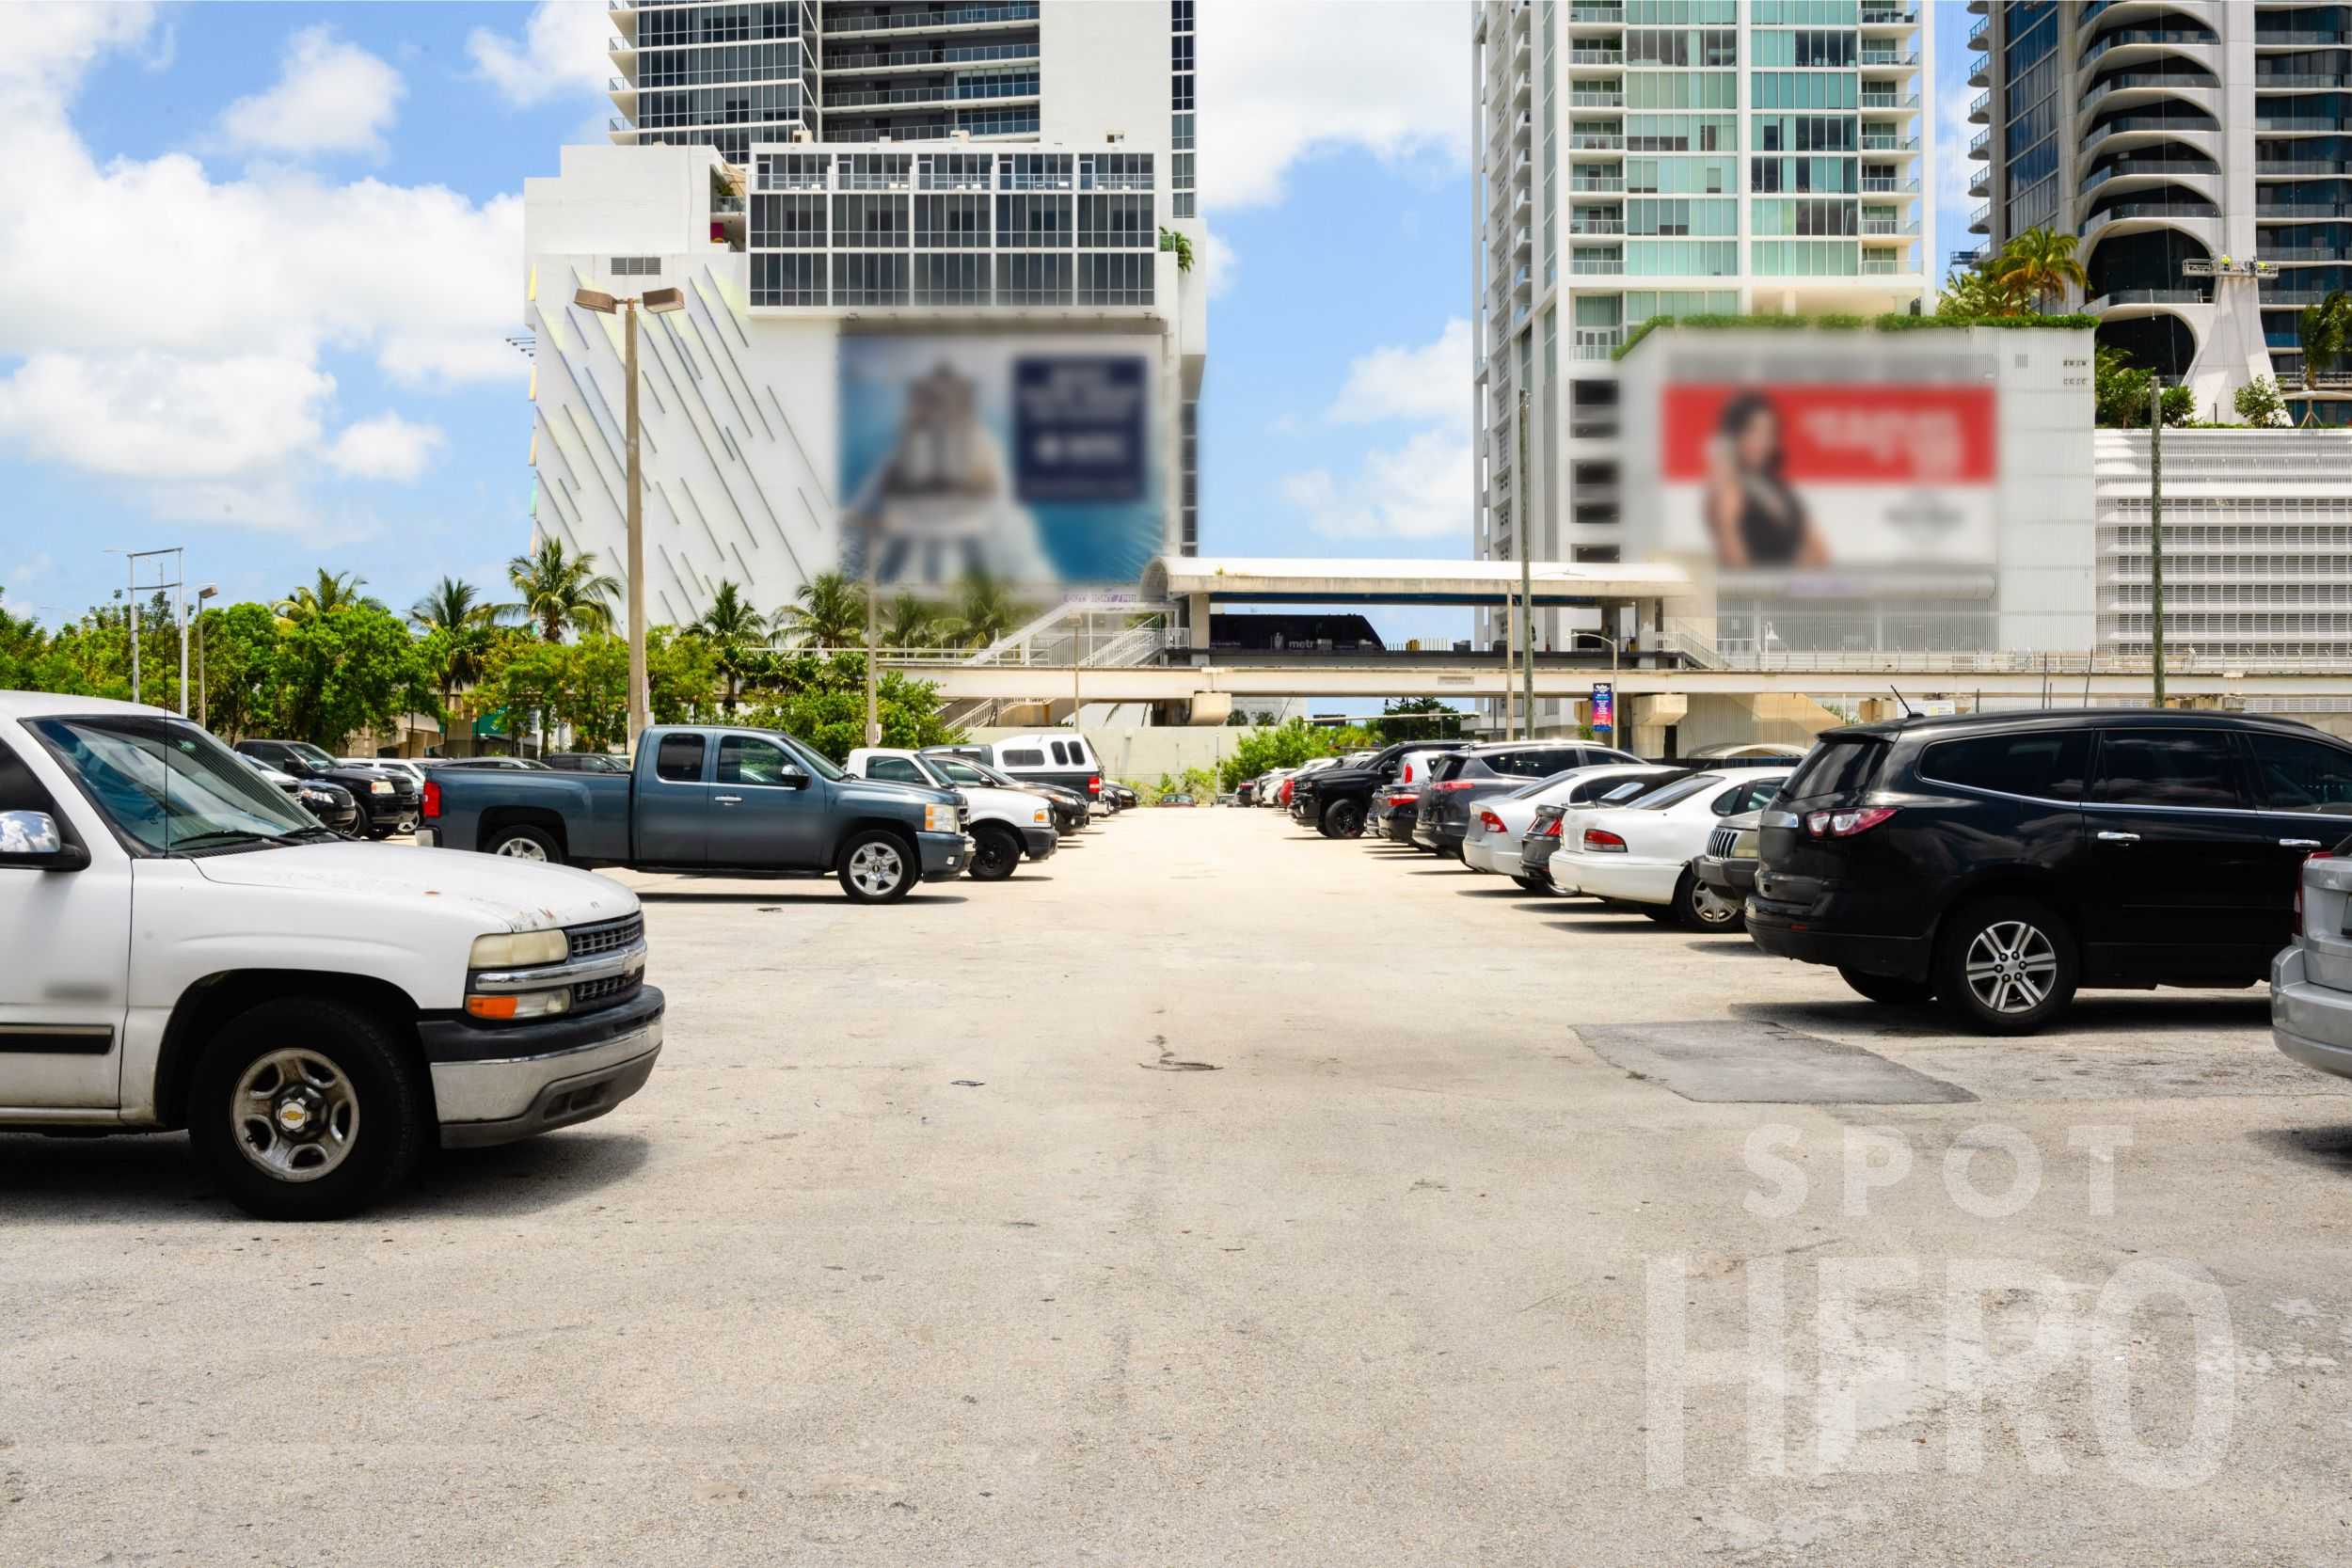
pixel 1527 581
pixel 2156 530
pixel 178 584
pixel 204 696
pixel 660 301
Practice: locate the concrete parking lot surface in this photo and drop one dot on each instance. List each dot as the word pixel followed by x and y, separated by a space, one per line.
pixel 1215 1193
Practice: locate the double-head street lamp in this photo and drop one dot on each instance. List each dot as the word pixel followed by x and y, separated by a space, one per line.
pixel 660 301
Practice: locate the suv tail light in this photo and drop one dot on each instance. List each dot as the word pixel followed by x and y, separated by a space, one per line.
pixel 1095 784
pixel 432 798
pixel 1456 783
pixel 1847 822
pixel 1489 821
pixel 1602 840
pixel 1403 799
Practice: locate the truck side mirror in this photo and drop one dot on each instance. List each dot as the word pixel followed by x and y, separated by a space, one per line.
pixel 792 778
pixel 30 841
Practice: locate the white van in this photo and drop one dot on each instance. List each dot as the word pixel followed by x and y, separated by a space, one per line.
pixel 1063 759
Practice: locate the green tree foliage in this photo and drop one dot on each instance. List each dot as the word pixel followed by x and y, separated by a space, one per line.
pixel 2258 403
pixel 333 591
pixel 828 613
pixel 555 590
pixel 820 699
pixel 2325 332
pixel 1415 719
pixel 1285 746
pixel 357 668
pixel 2120 394
pixel 983 612
pixel 908 622
pixel 736 635
pixel 2038 266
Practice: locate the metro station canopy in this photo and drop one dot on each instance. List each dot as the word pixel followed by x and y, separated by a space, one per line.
pixel 1233 580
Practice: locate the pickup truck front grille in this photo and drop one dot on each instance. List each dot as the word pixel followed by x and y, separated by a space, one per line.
pixel 1722 841
pixel 604 993
pixel 605 936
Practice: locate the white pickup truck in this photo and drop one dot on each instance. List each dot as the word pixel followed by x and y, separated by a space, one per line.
pixel 187 948
pixel 1006 824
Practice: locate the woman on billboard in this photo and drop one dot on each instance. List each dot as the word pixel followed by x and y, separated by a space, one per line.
pixel 1755 517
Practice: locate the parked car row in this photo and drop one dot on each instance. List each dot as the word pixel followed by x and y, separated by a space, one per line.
pixel 1995 863
pixel 758 803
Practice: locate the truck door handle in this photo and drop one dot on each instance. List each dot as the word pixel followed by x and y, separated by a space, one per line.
pixel 2119 838
pixel 728 800
pixel 2299 843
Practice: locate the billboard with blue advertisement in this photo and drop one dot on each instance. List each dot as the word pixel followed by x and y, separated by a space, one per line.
pixel 1604 710
pixel 1031 460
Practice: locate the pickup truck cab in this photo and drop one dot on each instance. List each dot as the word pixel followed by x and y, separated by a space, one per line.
pixel 187 948
pixel 1006 824
pixel 710 798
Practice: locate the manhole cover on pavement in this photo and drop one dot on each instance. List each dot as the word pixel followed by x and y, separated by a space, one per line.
pixel 1761 1063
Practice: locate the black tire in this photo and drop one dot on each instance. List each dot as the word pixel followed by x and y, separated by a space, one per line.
pixel 1700 908
pixel 347 1071
pixel 380 831
pixel 1343 820
pixel 1533 884
pixel 877 866
pixel 1996 932
pixel 1892 989
pixel 995 852
pixel 521 841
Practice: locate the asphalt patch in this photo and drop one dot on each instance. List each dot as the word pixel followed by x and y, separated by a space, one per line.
pixel 1734 1063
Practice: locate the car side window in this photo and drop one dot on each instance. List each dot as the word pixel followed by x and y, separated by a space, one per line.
pixel 1028 757
pixel 1761 794
pixel 896 769
pixel 1729 801
pixel 2292 773
pixel 19 789
pixel 2169 767
pixel 2045 764
pixel 745 759
pixel 680 759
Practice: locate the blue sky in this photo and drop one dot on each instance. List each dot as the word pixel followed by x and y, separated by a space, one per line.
pixel 259 261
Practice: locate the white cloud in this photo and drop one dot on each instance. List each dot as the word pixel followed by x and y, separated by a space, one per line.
pixel 1282 80
pixel 562 49
pixel 159 416
pixel 1221 263
pixel 199 362
pixel 1420 490
pixel 386 447
pixel 1953 169
pixel 1432 382
pixel 329 97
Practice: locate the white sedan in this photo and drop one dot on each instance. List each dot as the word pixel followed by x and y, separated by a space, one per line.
pixel 1497 825
pixel 1642 853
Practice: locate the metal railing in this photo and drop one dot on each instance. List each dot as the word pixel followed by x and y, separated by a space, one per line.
pixel 962 53
pixel 965 16
pixel 2145 165
pixel 2145 296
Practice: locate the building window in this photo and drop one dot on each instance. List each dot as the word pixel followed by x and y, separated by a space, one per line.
pixel 1114 280
pixel 1180 132
pixel 1181 204
pixel 788 279
pixel 951 222
pixel 788 222
pixel 1025 280
pixel 1115 223
pixel 869 220
pixel 951 280
pixel 1038 222
pixel 869 280
pixel 636 266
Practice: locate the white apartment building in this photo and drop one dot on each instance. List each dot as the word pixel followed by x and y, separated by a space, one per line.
pixel 1640 158
pixel 881 333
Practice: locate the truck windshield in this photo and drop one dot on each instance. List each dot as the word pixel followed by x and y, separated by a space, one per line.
pixel 168 788
pixel 814 760
pixel 314 755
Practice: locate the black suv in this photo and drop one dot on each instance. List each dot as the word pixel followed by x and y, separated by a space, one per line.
pixel 1337 801
pixel 1495 768
pixel 387 798
pixel 1999 860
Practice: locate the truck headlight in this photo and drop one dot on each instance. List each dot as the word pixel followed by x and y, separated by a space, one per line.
pixel 520 1005
pixel 315 797
pixel 380 786
pixel 519 949
pixel 939 819
pixel 1038 816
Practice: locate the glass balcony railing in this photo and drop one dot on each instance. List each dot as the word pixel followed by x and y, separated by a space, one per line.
pixel 963 16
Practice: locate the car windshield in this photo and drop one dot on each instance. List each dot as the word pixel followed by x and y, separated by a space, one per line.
pixel 314 755
pixel 168 788
pixel 957 770
pixel 815 761
pixel 1681 789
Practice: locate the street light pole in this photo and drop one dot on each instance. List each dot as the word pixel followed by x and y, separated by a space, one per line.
pixel 658 301
pixel 1527 588
pixel 203 693
pixel 2155 530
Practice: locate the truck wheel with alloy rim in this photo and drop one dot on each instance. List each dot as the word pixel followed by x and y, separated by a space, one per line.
pixel 521 842
pixel 1893 989
pixel 1342 819
pixel 995 851
pixel 877 866
pixel 1702 908
pixel 2006 966
pixel 308 1109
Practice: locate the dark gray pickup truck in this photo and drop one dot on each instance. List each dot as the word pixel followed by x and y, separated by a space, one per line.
pixel 710 799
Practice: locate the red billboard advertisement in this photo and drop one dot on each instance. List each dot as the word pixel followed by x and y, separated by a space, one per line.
pixel 1811 476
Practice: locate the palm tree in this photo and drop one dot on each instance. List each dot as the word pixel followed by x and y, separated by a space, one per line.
pixel 1975 293
pixel 735 631
pixel 2324 330
pixel 457 634
pixel 909 622
pixel 2039 265
pixel 983 613
pixel 831 615
pixel 333 591
pixel 558 589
